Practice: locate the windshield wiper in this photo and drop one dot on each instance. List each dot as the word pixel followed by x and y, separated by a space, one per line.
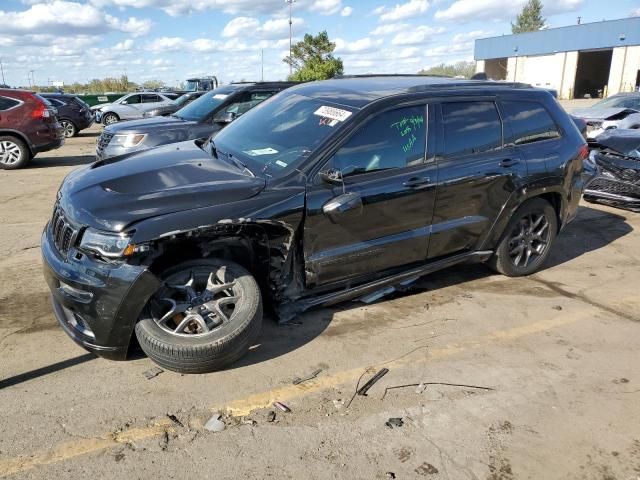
pixel 233 160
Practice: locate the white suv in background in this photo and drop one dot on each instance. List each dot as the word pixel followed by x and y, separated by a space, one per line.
pixel 129 107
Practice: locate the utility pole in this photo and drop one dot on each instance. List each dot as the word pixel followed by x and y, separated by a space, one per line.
pixel 33 78
pixel 290 2
pixel 2 69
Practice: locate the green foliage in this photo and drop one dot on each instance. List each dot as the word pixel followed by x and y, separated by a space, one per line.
pixel 100 86
pixel 312 59
pixel 530 19
pixel 153 84
pixel 459 69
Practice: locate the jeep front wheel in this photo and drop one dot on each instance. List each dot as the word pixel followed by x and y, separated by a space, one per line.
pixel 527 240
pixel 205 316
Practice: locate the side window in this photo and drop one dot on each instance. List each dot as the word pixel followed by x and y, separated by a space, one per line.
pixel 471 127
pixel 7 103
pixel 247 101
pixel 529 121
pixel 149 98
pixel 133 99
pixel 393 139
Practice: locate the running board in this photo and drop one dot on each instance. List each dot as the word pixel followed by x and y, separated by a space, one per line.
pixel 287 312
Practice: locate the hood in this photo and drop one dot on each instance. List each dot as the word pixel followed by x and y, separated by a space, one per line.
pixel 626 142
pixel 146 125
pixel 596 113
pixel 99 106
pixel 155 182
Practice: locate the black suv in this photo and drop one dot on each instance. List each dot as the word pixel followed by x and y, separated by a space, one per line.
pixel 73 114
pixel 328 191
pixel 199 119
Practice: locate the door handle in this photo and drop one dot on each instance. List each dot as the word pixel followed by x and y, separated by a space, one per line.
pixel 417 182
pixel 509 162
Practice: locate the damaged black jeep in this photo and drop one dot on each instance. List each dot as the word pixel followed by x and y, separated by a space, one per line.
pixel 326 192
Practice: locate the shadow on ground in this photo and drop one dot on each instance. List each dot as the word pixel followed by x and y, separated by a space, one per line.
pixel 66 161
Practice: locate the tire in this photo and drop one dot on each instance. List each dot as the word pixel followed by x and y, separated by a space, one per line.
pixel 184 350
pixel 14 153
pixel 110 118
pixel 69 128
pixel 513 261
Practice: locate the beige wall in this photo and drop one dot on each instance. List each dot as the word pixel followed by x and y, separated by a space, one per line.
pixel 625 64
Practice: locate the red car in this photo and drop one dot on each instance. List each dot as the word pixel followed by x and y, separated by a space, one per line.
pixel 28 125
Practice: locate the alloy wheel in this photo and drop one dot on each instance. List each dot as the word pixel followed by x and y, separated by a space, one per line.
pixel 109 119
pixel 68 128
pixel 9 152
pixel 196 302
pixel 529 239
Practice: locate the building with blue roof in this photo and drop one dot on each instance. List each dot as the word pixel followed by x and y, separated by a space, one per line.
pixel 579 61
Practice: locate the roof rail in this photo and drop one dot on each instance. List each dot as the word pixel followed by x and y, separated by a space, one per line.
pixel 369 75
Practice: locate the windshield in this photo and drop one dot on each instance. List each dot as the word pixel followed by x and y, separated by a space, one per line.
pixel 182 99
pixel 624 101
pixel 191 86
pixel 204 106
pixel 277 135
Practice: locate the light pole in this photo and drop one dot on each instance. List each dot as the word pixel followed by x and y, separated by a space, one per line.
pixel 33 78
pixel 290 2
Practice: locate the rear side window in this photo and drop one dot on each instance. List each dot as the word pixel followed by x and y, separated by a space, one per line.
pixel 150 98
pixel 7 103
pixel 471 127
pixel 529 121
pixel 393 139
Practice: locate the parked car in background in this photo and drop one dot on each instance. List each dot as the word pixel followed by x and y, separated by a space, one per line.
pixel 326 192
pixel 199 119
pixel 618 111
pixel 180 102
pixel 129 107
pixel 616 157
pixel 28 126
pixel 73 114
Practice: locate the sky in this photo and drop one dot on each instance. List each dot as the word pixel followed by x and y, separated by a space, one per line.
pixel 171 40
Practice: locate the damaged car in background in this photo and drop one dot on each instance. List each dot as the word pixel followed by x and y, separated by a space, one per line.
pixel 618 111
pixel 326 192
pixel 616 158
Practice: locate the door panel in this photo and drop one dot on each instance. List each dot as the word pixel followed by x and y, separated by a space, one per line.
pixel 380 218
pixel 475 177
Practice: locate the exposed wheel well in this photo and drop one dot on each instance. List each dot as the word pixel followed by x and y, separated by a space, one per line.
pixel 555 199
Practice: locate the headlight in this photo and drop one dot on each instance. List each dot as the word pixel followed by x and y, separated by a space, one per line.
pixel 111 245
pixel 128 141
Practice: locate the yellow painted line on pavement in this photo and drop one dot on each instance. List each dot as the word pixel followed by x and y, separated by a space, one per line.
pixel 244 406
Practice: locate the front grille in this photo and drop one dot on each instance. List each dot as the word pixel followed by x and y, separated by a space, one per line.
pixel 63 234
pixel 614 187
pixel 103 141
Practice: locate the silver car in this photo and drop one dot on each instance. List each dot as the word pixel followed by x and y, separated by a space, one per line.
pixel 618 111
pixel 130 107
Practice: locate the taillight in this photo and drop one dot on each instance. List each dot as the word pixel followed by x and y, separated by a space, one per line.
pixel 41 110
pixel 583 151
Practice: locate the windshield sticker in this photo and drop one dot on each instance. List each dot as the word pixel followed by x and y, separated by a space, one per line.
pixel 220 96
pixel 333 113
pixel 261 151
pixel 281 164
pixel 327 121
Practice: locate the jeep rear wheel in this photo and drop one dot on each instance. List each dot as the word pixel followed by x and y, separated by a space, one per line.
pixel 204 317
pixel 14 153
pixel 527 240
pixel 69 128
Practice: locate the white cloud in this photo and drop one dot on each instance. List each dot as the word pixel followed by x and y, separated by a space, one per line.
pixel 390 28
pixel 326 7
pixel 124 46
pixel 240 26
pixel 167 44
pixel 416 35
pixel 365 44
pixel 346 11
pixel 66 18
pixel 466 37
pixel 186 7
pixel 404 10
pixel 635 13
pixel 496 10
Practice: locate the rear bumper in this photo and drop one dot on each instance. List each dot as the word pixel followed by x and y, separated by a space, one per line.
pixel 96 304
pixel 50 145
pixel 85 123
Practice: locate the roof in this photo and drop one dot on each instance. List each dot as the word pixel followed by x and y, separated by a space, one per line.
pixel 360 91
pixel 587 36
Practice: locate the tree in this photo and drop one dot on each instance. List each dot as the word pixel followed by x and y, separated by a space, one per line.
pixel 460 69
pixel 153 84
pixel 312 59
pixel 530 19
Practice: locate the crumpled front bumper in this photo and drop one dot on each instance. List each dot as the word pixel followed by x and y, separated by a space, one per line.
pixel 96 303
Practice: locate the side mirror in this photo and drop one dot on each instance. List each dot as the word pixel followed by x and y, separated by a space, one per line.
pixel 332 176
pixel 225 118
